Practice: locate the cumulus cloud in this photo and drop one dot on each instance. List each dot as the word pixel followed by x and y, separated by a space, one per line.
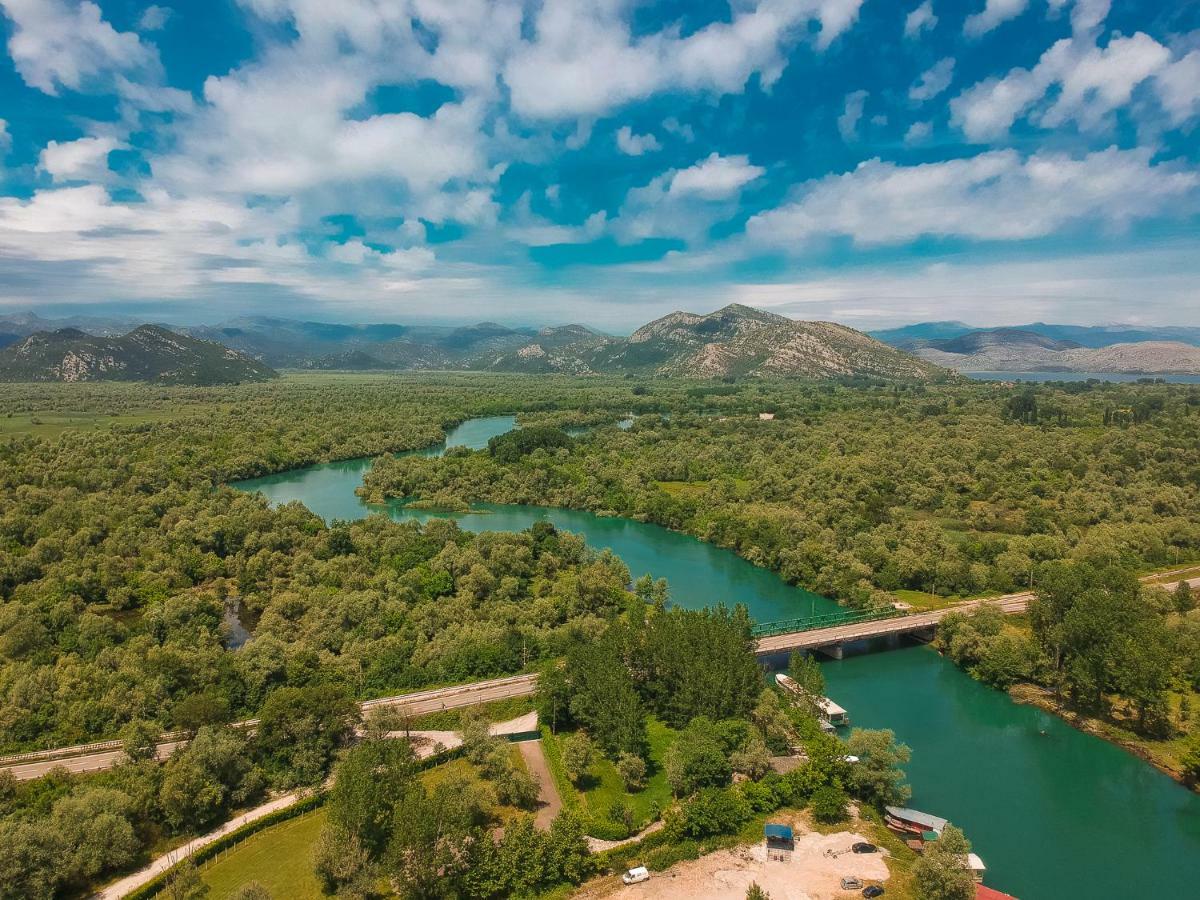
pixel 998 195
pixel 994 13
pixel 83 160
pixel 1178 88
pixel 5 138
pixel 714 178
pixel 636 144
pixel 852 111
pixel 154 18
pixel 1086 15
pixel 584 59
pixel 685 203
pixel 918 132
pixel 1090 83
pixel 920 19
pixel 55 45
pixel 933 81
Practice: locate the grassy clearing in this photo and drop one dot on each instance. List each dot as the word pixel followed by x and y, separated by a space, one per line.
pixel 280 858
pixel 601 788
pixel 52 424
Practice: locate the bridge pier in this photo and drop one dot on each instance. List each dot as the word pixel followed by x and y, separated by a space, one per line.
pixel 833 651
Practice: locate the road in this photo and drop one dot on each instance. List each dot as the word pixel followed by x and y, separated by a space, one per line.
pixel 104 755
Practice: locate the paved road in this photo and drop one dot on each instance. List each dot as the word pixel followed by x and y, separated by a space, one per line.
pixel 415 704
pixel 89 759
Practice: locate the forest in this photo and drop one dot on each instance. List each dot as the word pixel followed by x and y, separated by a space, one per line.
pixel 122 553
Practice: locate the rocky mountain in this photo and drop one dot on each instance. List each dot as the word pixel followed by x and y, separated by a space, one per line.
pixel 1018 350
pixel 933 334
pixel 735 340
pixel 148 353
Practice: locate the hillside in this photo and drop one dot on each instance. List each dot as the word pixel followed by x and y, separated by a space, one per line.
pixel 739 340
pixel 148 353
pixel 937 334
pixel 1019 350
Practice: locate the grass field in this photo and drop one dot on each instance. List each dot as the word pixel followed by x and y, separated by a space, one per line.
pixel 279 858
pixel 50 424
pixel 602 786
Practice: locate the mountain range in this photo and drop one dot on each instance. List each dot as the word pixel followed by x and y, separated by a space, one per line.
pixel 735 340
pixel 147 353
pixel 1053 348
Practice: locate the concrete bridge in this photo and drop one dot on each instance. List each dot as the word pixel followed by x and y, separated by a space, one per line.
pixel 831 639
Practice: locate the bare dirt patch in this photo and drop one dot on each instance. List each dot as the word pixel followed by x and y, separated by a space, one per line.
pixel 813 871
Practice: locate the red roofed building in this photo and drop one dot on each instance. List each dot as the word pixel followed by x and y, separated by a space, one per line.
pixel 987 893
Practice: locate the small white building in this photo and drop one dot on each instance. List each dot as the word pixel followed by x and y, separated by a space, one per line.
pixel 766 417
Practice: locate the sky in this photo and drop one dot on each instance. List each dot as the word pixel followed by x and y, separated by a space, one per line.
pixel 871 162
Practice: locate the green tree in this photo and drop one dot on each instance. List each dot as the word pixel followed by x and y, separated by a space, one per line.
pixel 553 697
pixel 633 771
pixel 828 804
pixel 877 777
pixel 942 872
pixel 299 729
pixel 139 739
pixel 432 836
pixel 371 779
pixel 184 882
pixel 1185 602
pixel 754 892
pixel 577 752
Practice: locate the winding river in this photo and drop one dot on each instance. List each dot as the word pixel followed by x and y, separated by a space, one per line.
pixel 1052 811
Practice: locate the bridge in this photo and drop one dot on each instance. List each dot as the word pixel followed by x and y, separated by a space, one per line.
pixel 830 633
pixel 827 633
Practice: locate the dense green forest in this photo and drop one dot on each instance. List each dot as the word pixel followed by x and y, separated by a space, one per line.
pixel 858 490
pixel 121 552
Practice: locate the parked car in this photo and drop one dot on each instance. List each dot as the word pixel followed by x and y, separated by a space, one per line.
pixel 873 890
pixel 864 847
pixel 850 883
pixel 636 875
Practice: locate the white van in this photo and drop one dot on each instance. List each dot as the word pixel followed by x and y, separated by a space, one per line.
pixel 636 875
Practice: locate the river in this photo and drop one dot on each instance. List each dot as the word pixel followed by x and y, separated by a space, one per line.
pixel 1053 812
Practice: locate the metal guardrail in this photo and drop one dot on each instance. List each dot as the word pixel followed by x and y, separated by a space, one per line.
pixel 824 620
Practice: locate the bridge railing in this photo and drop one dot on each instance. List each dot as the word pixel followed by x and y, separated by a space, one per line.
pixel 824 620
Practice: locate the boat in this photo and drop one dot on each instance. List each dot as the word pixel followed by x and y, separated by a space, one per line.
pixel 913 821
pixel 830 713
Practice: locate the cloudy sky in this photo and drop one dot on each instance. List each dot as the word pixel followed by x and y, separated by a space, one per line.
pixel 868 161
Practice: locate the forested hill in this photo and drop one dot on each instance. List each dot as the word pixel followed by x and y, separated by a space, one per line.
pixel 148 353
pixel 734 340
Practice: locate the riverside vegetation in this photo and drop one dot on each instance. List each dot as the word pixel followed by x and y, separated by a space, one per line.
pixel 122 552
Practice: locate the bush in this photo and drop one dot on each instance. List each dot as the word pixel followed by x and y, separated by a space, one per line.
pixel 829 804
pixel 633 771
pixel 714 811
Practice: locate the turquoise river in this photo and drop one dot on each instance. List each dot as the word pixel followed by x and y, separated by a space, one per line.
pixel 1053 812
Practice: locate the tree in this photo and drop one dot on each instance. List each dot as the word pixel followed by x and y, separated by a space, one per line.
pixel 1191 759
pixel 253 890
pixel 697 759
pixel 369 781
pixel 553 696
pixel 877 776
pixel 633 771
pixel 942 872
pixel 577 755
pixel 714 811
pixel 753 759
pixel 200 780
pixel 184 882
pixel 139 739
pixel 432 837
pixel 299 728
pixel 603 696
pixel 1185 602
pixel 806 672
pixel 754 892
pixel 828 804
pixel 95 826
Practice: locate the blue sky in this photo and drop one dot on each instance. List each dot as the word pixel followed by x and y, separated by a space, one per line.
pixel 866 161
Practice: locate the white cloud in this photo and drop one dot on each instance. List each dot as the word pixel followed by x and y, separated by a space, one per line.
pixel 585 61
pixel 715 178
pixel 56 45
pixel 851 113
pixel 994 12
pixel 1091 82
pixel 934 81
pixel 920 19
pixel 680 130
pixel 1178 88
pixel 636 144
pixel 997 195
pixel 154 18
pixel 1082 288
pixel 5 138
pixel 83 160
pixel 685 203
pixel 1086 15
pixel 918 132
pixel 356 253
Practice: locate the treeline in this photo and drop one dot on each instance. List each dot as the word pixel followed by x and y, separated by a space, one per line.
pixel 855 492
pixel 61 833
pixel 1104 643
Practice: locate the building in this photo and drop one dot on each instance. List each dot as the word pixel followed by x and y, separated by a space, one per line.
pixel 779 838
pixel 912 821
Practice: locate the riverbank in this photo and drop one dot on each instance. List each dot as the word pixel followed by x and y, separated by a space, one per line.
pixel 1162 755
